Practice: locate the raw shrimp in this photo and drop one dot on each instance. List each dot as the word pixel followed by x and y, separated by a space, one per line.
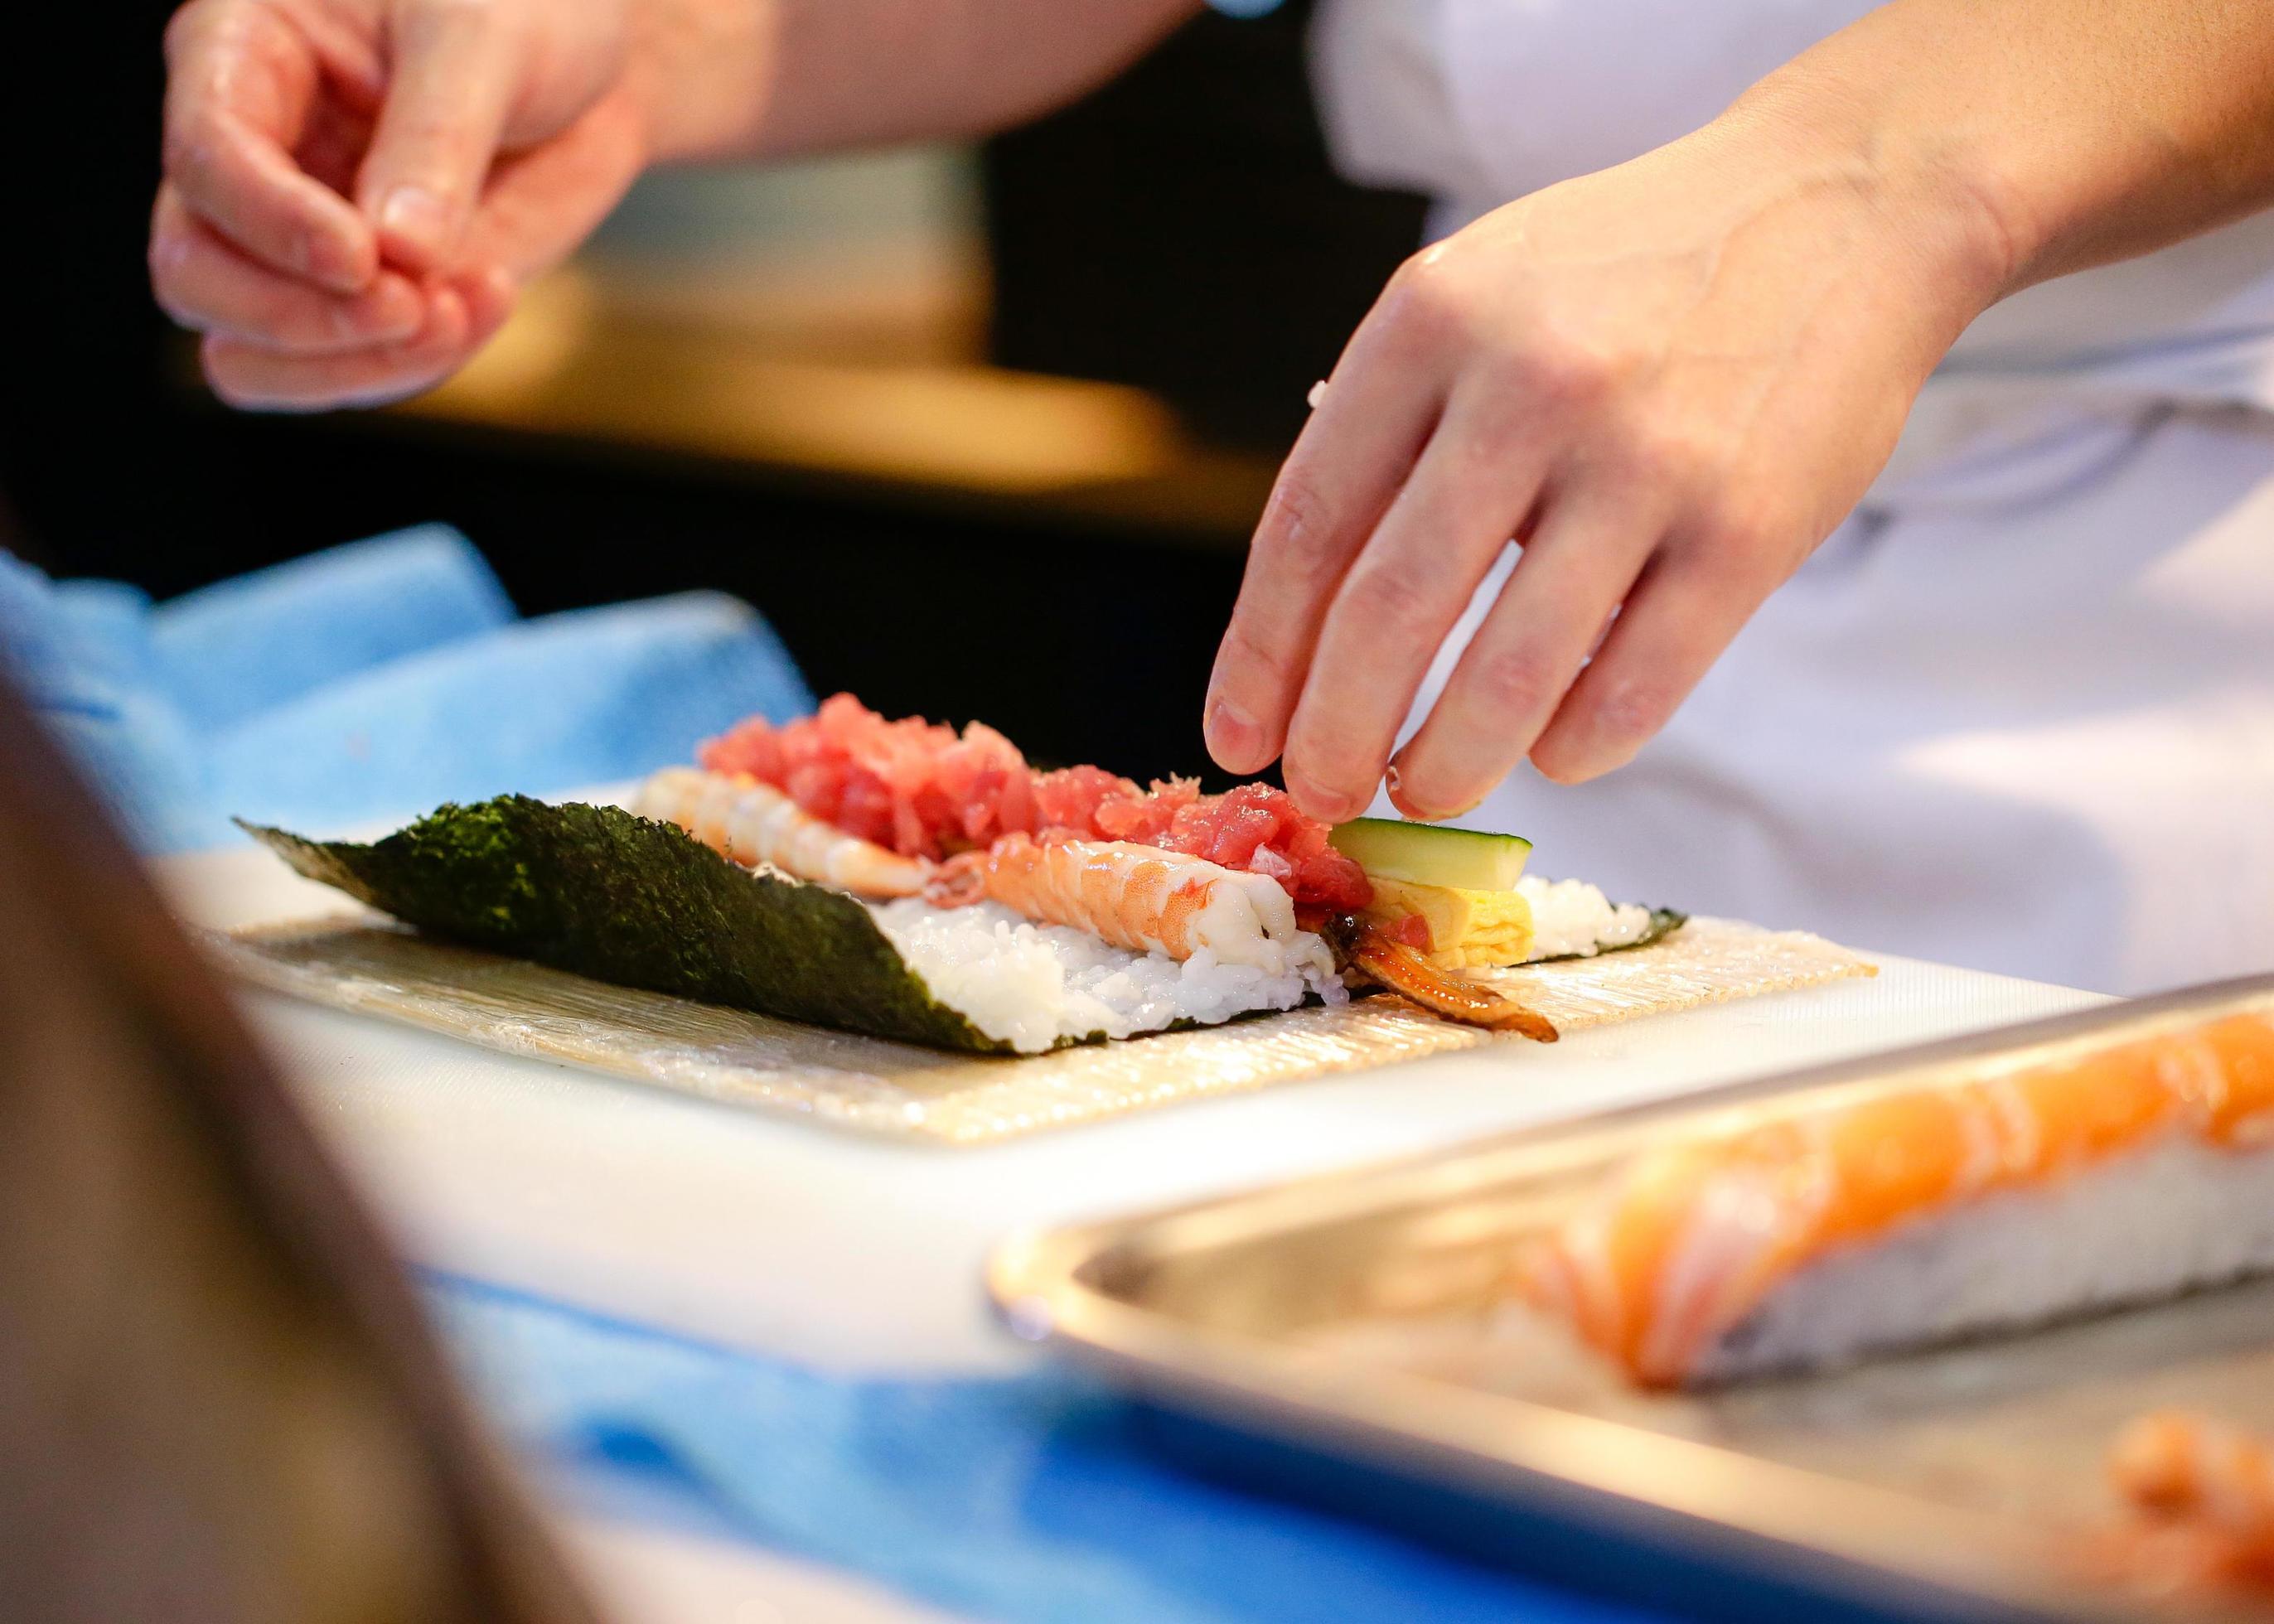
pixel 1142 899
pixel 753 823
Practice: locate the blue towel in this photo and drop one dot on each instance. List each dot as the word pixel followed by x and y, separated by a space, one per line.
pixel 1028 1500
pixel 81 654
pixel 231 650
pixel 378 678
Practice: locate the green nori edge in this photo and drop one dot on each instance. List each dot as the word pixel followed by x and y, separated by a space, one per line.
pixel 602 892
pixel 1663 923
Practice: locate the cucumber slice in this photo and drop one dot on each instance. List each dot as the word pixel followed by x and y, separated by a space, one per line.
pixel 1431 854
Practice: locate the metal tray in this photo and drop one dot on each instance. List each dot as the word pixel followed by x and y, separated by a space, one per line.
pixel 1363 1319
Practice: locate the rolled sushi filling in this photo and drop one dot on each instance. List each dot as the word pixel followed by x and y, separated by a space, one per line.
pixel 1180 907
pixel 1067 962
pixel 924 791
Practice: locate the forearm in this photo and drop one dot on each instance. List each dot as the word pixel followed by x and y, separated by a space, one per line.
pixel 775 77
pixel 2072 132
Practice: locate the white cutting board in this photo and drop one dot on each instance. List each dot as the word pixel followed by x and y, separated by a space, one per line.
pixel 791 1239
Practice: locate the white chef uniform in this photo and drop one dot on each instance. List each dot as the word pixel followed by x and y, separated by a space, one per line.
pixel 2018 713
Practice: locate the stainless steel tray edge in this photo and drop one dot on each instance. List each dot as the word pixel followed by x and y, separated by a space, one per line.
pixel 1730 1512
pixel 1726 1507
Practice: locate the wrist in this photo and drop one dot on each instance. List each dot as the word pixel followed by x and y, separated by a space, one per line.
pixel 1941 206
pixel 698 70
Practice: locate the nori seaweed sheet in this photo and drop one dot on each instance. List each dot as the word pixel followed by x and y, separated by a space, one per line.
pixel 604 893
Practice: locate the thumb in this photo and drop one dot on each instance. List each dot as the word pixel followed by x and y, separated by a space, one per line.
pixel 451 78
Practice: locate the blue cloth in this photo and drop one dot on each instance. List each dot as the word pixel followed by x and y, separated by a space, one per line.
pixel 81 653
pixel 1026 1500
pixel 231 650
pixel 380 678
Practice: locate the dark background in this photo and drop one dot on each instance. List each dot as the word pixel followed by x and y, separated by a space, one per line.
pixel 1180 230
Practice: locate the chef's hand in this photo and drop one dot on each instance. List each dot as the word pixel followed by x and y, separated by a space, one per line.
pixel 354 189
pixel 1672 379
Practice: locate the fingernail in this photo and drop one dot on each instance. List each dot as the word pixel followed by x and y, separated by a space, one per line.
pixel 1324 805
pixel 495 283
pixel 446 318
pixel 1233 737
pixel 393 310
pixel 1394 779
pixel 325 258
pixel 489 297
pixel 415 216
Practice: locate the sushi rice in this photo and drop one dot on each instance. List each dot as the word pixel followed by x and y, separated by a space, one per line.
pixel 2171 1217
pixel 1572 919
pixel 1035 986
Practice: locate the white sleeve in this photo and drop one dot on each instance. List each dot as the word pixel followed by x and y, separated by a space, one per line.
pixel 1547 89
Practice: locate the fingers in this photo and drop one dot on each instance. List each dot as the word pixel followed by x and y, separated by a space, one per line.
pixel 1358 446
pixel 206 284
pixel 1401 596
pixel 1508 682
pixel 1683 613
pixel 490 296
pixel 461 316
pixel 452 79
pixel 240 79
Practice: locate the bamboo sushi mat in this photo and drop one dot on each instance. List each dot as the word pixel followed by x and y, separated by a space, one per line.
pixel 878 1087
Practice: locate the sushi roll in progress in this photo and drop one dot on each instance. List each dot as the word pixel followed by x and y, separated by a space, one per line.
pixel 1930 1213
pixel 894 809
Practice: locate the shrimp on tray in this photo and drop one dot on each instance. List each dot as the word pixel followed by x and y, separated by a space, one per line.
pixel 2177 1464
pixel 2201 1493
